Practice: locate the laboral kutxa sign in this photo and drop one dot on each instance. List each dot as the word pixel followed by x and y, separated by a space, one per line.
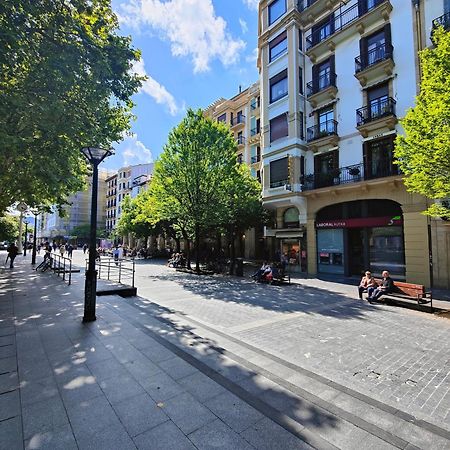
pixel 361 222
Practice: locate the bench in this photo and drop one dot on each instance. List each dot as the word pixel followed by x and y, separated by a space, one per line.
pixel 409 291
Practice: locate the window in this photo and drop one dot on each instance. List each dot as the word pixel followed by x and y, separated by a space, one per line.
pixel 290 218
pixel 378 101
pixel 322 30
pixel 323 74
pixel 278 46
pixel 278 127
pixel 300 80
pixel 276 9
pixel 301 120
pixel 278 86
pixel 279 172
pixel 300 40
pixel 378 157
pixel 325 119
pixel 222 118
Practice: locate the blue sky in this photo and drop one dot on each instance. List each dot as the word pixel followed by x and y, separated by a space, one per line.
pixel 193 51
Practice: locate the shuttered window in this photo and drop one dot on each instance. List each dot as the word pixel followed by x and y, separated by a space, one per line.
pixel 278 127
pixel 278 86
pixel 279 172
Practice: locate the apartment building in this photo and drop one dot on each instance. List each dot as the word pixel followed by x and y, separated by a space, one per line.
pixel 111 202
pixel 335 78
pixel 242 114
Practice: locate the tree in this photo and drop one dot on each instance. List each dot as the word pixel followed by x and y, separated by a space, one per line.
pixel 65 83
pixel 84 231
pixel 9 228
pixel 423 153
pixel 190 179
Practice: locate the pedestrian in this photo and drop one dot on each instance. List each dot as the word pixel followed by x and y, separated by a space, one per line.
pixel 55 246
pixel 85 246
pixel 62 249
pixel 69 250
pixel 13 251
pixel 386 286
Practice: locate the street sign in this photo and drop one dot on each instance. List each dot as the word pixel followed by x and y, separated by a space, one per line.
pixel 22 207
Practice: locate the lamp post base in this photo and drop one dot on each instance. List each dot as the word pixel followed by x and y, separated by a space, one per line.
pixel 90 296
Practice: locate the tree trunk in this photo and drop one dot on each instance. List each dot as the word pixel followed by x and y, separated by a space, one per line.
pixel 197 249
pixel 187 244
pixel 177 244
pixel 232 253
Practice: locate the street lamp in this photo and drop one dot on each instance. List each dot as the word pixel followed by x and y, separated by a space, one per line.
pixel 36 211
pixel 26 222
pixel 95 156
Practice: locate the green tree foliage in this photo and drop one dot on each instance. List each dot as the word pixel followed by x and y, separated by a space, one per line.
pixel 197 183
pixel 84 231
pixel 65 83
pixel 9 228
pixel 423 154
pixel 137 217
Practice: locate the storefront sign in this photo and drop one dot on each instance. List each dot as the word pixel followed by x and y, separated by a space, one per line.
pixel 362 222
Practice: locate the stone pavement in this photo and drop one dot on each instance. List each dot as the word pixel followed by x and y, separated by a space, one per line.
pixel 217 363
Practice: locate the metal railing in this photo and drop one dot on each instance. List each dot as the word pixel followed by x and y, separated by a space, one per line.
pixel 120 271
pixel 373 56
pixel 382 107
pixel 240 140
pixel 324 129
pixel 275 184
pixel 255 159
pixel 255 131
pixel 320 83
pixel 61 265
pixel 255 104
pixel 303 4
pixel 237 120
pixel 442 21
pixel 337 23
pixel 350 174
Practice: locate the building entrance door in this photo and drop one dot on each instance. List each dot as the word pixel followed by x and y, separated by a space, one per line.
pixel 356 251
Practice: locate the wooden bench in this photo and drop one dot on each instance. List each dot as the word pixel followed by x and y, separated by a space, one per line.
pixel 409 291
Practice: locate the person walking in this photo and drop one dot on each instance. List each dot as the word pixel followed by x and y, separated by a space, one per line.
pixel 69 250
pixel 85 247
pixel 13 251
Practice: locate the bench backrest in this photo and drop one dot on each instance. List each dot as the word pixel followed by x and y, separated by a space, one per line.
pixel 413 290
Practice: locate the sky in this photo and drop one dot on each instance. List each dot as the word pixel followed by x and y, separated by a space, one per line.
pixel 193 52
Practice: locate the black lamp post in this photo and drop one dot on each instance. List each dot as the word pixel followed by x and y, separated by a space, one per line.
pixel 36 212
pixel 95 156
pixel 26 222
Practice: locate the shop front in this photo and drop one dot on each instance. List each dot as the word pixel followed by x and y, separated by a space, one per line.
pixel 361 235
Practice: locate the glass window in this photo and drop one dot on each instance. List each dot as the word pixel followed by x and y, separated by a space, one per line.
pixel 278 46
pixel 276 10
pixel 222 118
pixel 279 172
pixel 278 127
pixel 290 218
pixel 325 121
pixel 323 72
pixel 278 86
pixel 300 80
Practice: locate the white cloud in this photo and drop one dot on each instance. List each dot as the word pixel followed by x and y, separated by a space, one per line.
pixel 134 151
pixel 243 24
pixel 253 57
pixel 252 4
pixel 156 90
pixel 191 27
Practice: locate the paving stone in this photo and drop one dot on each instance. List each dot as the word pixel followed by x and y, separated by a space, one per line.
pixel 80 390
pixel 37 390
pixel 201 386
pixel 113 437
pixel 120 388
pixel 8 365
pixel 60 438
pixel 161 387
pixel 8 382
pixel 139 414
pixel 9 405
pixel 177 368
pixel 217 435
pixel 187 413
pixel 236 413
pixel 108 368
pixel 43 416
pixel 163 437
pixel 157 352
pixel 267 435
pixel 11 437
pixel 142 368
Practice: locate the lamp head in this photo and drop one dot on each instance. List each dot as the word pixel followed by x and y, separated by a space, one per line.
pixel 95 155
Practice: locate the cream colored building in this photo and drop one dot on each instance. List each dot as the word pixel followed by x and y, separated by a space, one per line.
pixel 242 114
pixel 335 78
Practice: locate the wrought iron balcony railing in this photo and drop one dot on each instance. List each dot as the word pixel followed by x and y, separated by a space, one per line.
pixel 255 159
pixel 255 131
pixel 324 129
pixel 350 174
pixel 382 107
pixel 337 23
pixel 237 120
pixel 275 184
pixel 442 21
pixel 303 4
pixel 240 140
pixel 373 56
pixel 320 83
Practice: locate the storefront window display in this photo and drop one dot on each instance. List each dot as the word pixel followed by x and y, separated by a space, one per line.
pixel 330 247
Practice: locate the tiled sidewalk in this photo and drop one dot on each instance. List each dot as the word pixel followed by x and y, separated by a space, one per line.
pixel 108 384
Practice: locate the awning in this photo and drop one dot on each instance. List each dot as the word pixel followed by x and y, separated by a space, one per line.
pixel 287 234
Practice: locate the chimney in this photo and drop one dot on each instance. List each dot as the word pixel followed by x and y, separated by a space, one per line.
pixel 240 89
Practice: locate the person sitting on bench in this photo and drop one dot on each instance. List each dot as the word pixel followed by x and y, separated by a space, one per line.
pixel 387 286
pixel 367 281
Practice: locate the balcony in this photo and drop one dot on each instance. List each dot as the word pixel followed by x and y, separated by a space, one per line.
pixel 379 114
pixel 322 90
pixel 324 134
pixel 256 159
pixel 350 174
pixel 238 120
pixel 240 140
pixel 375 65
pixel 275 184
pixel 310 10
pixel 353 19
pixel 442 21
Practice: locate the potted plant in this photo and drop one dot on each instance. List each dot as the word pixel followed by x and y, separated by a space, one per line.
pixel 354 171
